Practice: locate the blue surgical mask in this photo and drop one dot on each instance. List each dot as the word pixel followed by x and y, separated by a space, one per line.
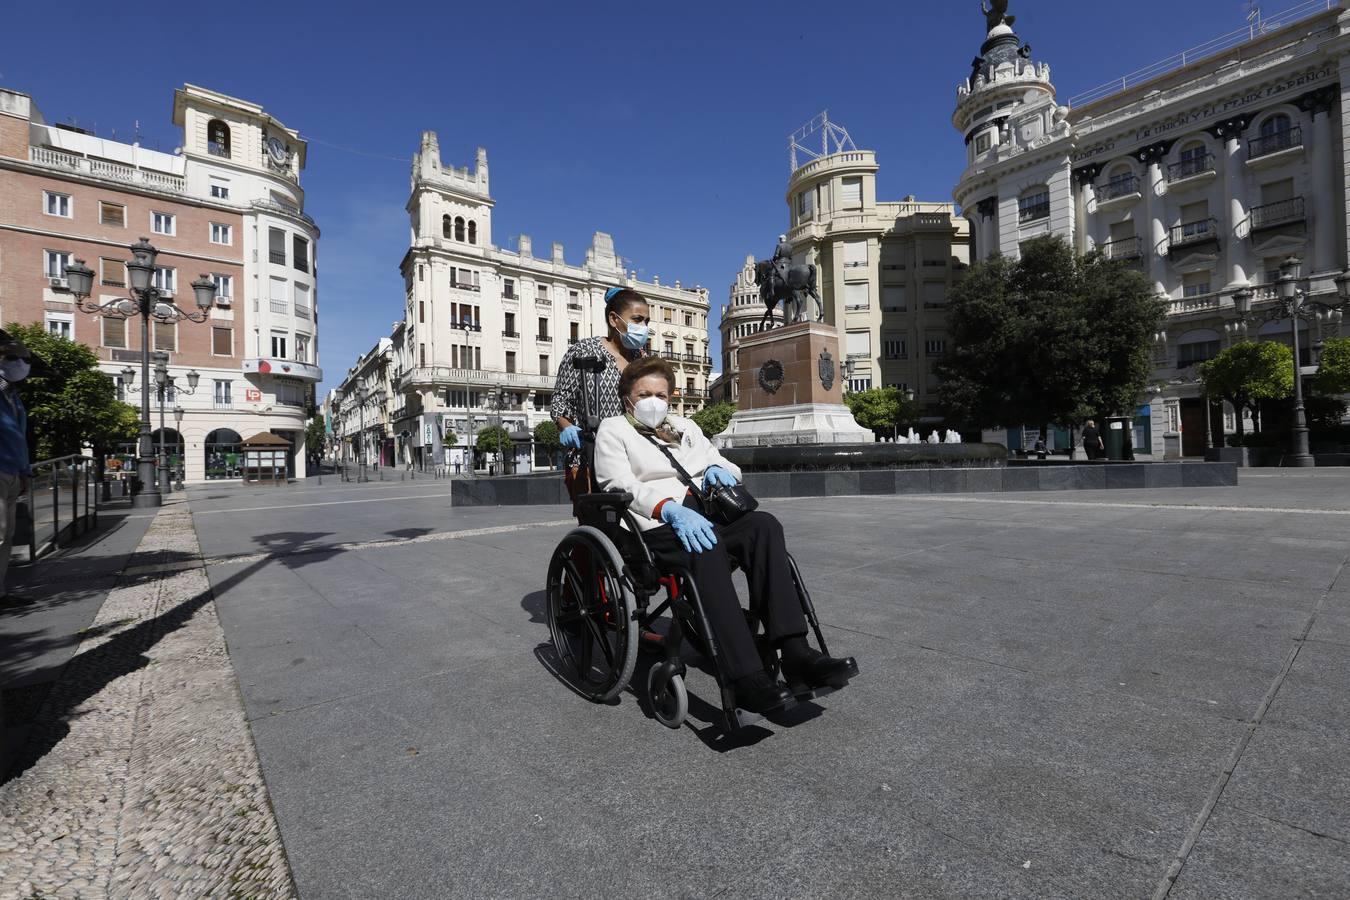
pixel 15 370
pixel 635 338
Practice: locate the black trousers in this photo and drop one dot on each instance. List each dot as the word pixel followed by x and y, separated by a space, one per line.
pixel 755 542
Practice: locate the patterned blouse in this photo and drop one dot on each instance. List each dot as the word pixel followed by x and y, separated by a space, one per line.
pixel 567 391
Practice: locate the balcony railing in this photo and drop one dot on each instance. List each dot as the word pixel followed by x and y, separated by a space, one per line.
pixel 466 326
pixel 1282 213
pixel 277 257
pixel 574 306
pixel 302 312
pixel 465 286
pixel 511 334
pixel 279 306
pixel 1124 248
pixel 1118 187
pixel 1189 233
pixel 109 171
pixel 1033 213
pixel 1274 143
pixel 1189 168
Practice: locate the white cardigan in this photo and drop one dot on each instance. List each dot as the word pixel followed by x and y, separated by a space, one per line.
pixel 628 461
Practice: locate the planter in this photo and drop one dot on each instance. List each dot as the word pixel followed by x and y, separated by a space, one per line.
pixel 1238 456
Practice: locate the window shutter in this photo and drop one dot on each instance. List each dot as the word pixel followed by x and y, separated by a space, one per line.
pixel 850 193
pixel 222 342
pixel 855 253
pixel 855 295
pixel 859 343
pixel 934 294
pixel 892 297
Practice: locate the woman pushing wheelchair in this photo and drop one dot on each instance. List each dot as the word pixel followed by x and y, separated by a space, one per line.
pixel 672 471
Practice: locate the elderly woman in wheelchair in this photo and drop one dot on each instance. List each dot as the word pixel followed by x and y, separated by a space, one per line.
pixel 652 526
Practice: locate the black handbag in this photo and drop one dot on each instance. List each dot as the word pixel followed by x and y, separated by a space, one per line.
pixel 722 504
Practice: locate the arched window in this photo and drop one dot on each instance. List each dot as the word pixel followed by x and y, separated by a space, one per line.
pixel 446 225
pixel 473 232
pixel 1195 159
pixel 1196 346
pixel 1276 124
pixel 223 453
pixel 459 228
pixel 218 138
pixel 1120 182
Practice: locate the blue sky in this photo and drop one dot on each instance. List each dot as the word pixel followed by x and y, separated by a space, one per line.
pixel 663 124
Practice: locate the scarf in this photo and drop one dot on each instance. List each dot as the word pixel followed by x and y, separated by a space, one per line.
pixel 665 431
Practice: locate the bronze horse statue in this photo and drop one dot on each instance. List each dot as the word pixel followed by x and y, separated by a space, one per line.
pixel 781 282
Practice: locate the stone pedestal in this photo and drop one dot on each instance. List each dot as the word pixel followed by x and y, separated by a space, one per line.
pixel 791 391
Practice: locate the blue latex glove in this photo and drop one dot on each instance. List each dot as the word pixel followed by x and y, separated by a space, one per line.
pixel 716 475
pixel 571 437
pixel 694 531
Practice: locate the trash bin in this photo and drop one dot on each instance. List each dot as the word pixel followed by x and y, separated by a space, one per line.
pixel 1118 437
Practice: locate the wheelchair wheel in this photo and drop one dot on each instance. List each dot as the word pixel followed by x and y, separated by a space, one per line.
pixel 591 614
pixel 669 699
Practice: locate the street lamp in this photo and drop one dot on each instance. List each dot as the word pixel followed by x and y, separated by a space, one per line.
pixel 164 385
pixel 1294 305
pixel 362 395
pixel 146 301
pixel 178 426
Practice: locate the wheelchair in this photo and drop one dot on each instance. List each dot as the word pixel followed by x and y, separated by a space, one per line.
pixel 602 586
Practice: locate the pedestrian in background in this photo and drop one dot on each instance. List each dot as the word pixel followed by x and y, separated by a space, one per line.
pixel 15 468
pixel 1092 440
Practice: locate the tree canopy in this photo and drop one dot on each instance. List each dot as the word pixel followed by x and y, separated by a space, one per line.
pixel 881 409
pixel 1333 372
pixel 546 435
pixel 713 420
pixel 1049 337
pixel 493 439
pixel 1247 373
pixel 74 404
pixel 315 436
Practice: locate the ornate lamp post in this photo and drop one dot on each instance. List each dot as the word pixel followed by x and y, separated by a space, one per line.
pixel 147 302
pixel 362 395
pixel 1294 305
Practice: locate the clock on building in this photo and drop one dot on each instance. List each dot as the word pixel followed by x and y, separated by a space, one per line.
pixel 277 150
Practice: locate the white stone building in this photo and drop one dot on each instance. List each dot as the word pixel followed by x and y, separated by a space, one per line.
pixel 484 327
pixel 884 269
pixel 1205 173
pixel 741 315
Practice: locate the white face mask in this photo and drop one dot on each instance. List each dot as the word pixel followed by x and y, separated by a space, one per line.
pixel 15 370
pixel 651 411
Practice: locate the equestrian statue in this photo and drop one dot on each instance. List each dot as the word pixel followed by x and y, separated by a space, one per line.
pixel 780 281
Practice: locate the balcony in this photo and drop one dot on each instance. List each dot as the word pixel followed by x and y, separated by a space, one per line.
pixel 511 334
pixel 1122 249
pixel 105 170
pixel 1270 144
pixel 543 338
pixel 543 301
pixel 465 286
pixel 301 311
pixel 444 376
pixel 1194 167
pixel 1190 234
pixel 1119 189
pixel 1273 215
pixel 1197 303
pixel 466 326
pixel 576 306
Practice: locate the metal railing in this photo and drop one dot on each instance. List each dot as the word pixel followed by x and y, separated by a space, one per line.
pixel 1124 248
pixel 1267 144
pixel 1034 212
pixel 61 503
pixel 1281 213
pixel 1257 26
pixel 1118 187
pixel 1189 168
pixel 1194 232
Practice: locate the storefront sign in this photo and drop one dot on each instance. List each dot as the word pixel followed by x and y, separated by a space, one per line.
pixel 253 395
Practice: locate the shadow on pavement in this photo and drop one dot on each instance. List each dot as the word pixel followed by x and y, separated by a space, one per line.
pixel 90 671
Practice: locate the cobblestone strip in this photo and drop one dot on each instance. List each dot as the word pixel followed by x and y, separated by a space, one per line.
pixel 140 778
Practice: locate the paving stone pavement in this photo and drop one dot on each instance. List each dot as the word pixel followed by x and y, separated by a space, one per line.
pixel 139 778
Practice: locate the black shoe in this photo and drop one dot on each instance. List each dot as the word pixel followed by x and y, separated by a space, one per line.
pixel 759 693
pixel 816 670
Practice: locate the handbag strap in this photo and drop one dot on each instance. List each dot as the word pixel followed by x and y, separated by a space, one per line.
pixel 679 469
